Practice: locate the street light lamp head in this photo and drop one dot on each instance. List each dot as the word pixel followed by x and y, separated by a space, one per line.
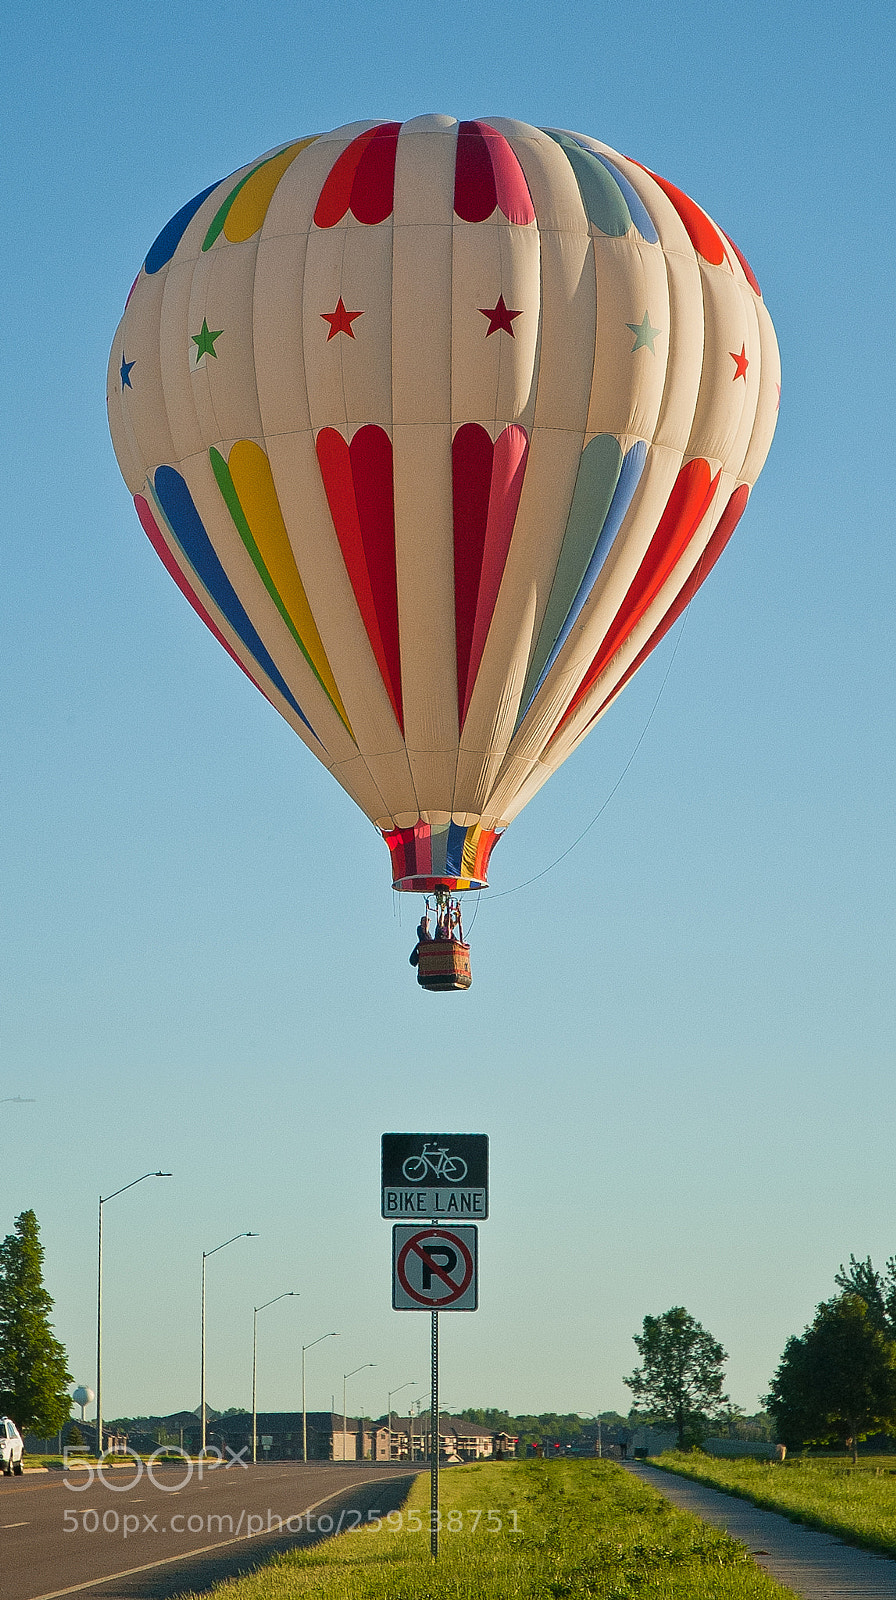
pixel 401 1386
pixel 286 1295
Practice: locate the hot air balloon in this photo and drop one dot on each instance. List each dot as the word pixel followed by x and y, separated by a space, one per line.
pixel 439 426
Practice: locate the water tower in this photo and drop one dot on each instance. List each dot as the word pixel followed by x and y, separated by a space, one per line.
pixel 83 1397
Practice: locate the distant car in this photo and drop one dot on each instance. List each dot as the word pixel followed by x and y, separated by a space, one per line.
pixel 11 1448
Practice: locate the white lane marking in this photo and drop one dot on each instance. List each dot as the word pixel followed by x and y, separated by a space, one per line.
pixel 95 1583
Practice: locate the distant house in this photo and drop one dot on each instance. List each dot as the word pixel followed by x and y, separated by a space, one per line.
pixel 408 1440
pixel 653 1441
pixel 329 1438
pixel 279 1437
pixel 144 1435
pixel 607 1439
pixel 181 1430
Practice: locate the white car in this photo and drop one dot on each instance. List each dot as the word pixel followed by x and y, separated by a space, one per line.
pixel 11 1448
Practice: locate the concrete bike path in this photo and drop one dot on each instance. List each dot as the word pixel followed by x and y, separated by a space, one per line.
pixel 816 1565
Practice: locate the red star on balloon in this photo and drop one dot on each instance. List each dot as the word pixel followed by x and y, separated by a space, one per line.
pixel 340 320
pixel 500 320
pixel 740 364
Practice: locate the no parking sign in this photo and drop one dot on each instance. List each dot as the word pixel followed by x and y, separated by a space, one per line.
pixel 434 1268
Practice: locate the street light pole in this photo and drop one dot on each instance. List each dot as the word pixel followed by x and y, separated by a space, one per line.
pixel 401 1386
pixel 345 1378
pixel 417 1403
pixel 286 1293
pixel 99 1301
pixel 304 1411
pixel 205 1256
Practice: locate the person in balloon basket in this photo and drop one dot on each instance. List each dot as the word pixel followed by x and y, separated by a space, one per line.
pixel 423 937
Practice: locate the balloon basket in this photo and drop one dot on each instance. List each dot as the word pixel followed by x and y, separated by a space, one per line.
pixel 443 964
pixel 443 961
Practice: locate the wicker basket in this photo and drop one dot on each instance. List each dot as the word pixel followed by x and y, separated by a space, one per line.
pixel 443 964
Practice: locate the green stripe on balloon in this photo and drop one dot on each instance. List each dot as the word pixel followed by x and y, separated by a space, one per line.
pixel 259 196
pixel 596 483
pixel 602 197
pixel 220 216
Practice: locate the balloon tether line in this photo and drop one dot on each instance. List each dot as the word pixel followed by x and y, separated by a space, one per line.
pixel 596 818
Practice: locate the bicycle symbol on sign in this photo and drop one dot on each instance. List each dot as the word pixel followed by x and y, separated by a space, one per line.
pixel 433 1158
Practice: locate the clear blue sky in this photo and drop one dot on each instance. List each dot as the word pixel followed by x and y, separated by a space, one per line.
pixel 680 1040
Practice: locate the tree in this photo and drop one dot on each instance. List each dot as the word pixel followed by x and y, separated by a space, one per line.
pixel 877 1289
pixel 34 1377
pixel 729 1419
pixel 549 1425
pixel 679 1383
pixel 837 1383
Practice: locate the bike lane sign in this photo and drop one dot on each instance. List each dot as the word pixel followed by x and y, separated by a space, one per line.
pixel 435 1175
pixel 434 1268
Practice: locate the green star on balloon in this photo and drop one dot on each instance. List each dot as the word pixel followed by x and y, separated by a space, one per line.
pixel 644 334
pixel 205 341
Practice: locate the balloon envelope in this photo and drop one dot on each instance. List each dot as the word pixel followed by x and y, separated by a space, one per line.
pixel 439 426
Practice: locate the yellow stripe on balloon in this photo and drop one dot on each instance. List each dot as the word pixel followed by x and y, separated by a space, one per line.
pixel 468 855
pixel 250 206
pixel 253 481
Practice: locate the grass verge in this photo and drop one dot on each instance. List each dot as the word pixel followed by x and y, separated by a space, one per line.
pixel 523 1531
pixel 858 1504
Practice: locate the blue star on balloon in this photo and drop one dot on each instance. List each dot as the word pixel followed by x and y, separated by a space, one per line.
pixel 125 370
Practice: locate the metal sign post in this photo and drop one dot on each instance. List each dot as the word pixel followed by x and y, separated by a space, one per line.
pixel 434 1444
pixel 435 1264
pixel 435 1268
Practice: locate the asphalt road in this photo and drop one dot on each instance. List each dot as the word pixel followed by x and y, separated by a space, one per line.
pixel 178 1529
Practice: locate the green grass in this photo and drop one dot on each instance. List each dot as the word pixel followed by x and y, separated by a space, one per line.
pixel 583 1529
pixel 858 1503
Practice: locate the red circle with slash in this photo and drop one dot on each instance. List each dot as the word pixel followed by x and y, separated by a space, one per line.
pixel 453 1244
